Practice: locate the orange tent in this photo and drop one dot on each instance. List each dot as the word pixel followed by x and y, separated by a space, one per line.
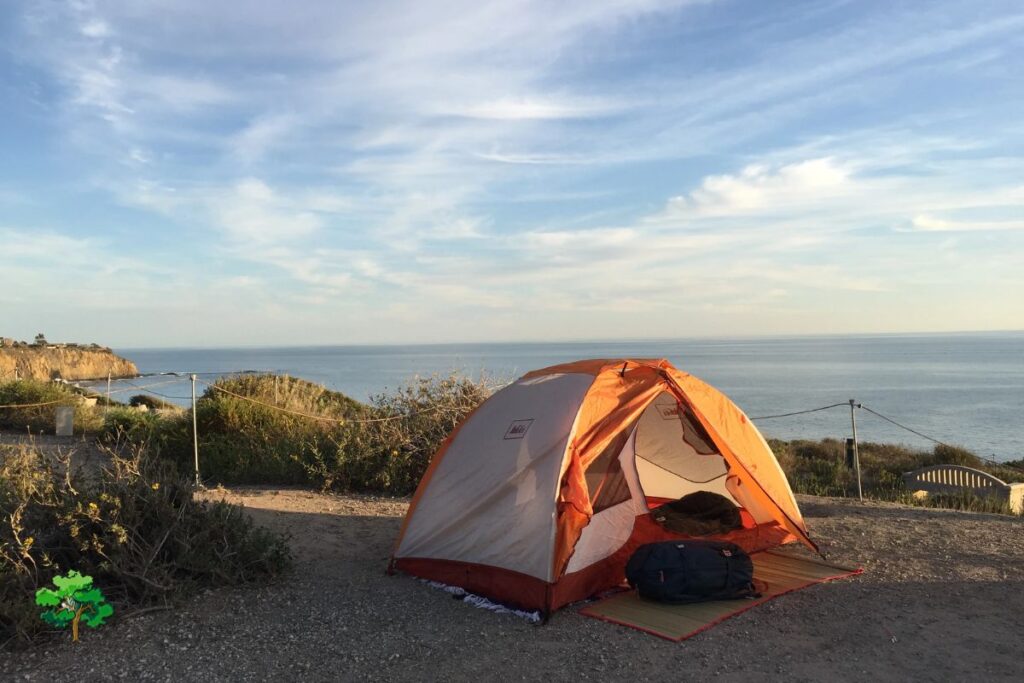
pixel 541 495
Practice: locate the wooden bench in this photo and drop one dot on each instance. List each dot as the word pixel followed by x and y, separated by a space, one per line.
pixel 956 478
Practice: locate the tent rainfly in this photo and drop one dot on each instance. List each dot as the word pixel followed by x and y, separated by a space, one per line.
pixel 541 495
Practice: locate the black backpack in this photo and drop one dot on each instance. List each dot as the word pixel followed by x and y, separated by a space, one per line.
pixel 691 571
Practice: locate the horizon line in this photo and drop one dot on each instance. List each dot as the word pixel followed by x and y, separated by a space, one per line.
pixel 568 341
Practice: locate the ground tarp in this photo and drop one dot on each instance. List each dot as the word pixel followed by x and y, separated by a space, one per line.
pixel 774 574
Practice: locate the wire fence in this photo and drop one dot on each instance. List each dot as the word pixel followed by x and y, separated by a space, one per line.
pixel 801 412
pixel 854 404
pixel 214 386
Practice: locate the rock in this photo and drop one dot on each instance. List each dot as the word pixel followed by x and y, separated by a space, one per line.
pixel 62 363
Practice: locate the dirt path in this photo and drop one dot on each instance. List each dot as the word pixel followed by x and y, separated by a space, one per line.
pixel 942 599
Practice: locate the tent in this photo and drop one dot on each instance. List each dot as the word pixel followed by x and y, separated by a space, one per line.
pixel 541 495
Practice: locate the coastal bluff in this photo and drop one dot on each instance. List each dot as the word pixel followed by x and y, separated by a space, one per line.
pixel 70 363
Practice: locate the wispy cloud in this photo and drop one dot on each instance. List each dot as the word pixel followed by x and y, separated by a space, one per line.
pixel 513 109
pixel 679 163
pixel 932 224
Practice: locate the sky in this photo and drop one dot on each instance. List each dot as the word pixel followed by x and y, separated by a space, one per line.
pixel 196 173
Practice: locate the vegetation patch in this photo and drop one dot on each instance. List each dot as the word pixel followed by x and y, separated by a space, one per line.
pixel 41 418
pixel 819 468
pixel 134 527
pixel 151 403
pixel 280 430
pixel 319 437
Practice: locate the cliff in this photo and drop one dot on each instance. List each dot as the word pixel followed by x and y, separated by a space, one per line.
pixel 65 363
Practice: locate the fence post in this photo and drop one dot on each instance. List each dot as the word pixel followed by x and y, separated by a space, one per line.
pixel 195 429
pixel 106 406
pixel 856 452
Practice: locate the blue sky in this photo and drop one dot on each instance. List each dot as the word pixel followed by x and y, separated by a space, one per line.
pixel 194 173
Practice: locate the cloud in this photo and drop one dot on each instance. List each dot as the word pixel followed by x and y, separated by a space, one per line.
pixel 427 158
pixel 535 158
pixel 516 109
pixel 926 223
pixel 459 228
pixel 261 134
pixel 759 188
pixel 252 211
pixel 585 240
pixel 95 28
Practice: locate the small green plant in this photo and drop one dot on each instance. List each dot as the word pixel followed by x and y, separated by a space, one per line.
pixel 74 601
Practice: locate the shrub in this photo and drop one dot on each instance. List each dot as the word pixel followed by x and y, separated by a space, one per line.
pixel 151 402
pixel 391 453
pixel 134 527
pixel 127 424
pixel 246 441
pixel 954 455
pixel 819 468
pixel 381 447
pixel 1011 472
pixel 41 419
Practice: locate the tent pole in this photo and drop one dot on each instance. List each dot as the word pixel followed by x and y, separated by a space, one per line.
pixel 856 453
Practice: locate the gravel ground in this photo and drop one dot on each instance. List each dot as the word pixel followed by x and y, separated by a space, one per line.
pixel 942 599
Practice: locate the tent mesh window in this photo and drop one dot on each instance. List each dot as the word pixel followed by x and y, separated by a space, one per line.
pixel 605 479
pixel 695 435
pixel 671 437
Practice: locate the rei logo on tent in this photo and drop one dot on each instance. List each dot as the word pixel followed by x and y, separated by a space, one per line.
pixel 517 429
pixel 669 412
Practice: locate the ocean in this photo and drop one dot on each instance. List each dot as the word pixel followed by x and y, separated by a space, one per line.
pixel 965 389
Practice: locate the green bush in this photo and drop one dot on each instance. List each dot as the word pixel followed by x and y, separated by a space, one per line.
pixel 244 440
pixel 134 527
pixel 42 419
pixel 151 402
pixel 954 455
pixel 819 468
pixel 128 424
pixel 384 446
pixel 391 452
